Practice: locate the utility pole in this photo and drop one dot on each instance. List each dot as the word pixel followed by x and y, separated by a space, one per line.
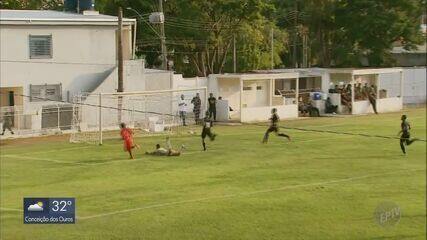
pixel 304 48
pixel 120 87
pixel 163 38
pixel 120 52
pixel 234 54
pixel 294 55
pixel 272 48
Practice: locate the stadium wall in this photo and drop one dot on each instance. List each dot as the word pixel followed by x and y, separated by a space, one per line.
pixel 414 87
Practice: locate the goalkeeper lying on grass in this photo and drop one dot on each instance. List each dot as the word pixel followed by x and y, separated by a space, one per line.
pixel 159 151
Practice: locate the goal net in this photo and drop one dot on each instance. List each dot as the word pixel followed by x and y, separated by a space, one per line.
pixel 97 117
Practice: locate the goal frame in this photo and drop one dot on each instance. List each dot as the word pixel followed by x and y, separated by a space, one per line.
pixel 141 93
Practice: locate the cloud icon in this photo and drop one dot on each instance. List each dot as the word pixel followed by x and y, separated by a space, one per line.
pixel 37 207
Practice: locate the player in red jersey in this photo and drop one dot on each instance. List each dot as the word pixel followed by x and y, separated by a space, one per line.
pixel 127 136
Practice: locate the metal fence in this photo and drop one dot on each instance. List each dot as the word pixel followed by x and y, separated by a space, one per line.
pixel 42 120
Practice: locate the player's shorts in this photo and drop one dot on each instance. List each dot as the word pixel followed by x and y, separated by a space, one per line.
pixel 128 144
pixel 273 129
pixel 405 136
pixel 206 132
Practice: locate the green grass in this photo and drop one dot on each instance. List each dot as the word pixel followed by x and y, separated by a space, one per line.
pixel 238 189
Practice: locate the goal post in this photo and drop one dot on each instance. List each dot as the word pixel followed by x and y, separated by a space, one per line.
pixel 97 115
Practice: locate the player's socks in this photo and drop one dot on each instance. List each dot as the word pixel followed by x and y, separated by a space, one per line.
pixel 286 136
pixel 403 148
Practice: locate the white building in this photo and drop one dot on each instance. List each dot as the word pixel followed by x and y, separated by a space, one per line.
pixel 56 55
pixel 252 96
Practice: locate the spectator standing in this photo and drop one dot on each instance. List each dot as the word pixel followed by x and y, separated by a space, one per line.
pixel 182 107
pixel 7 122
pixel 197 104
pixel 212 106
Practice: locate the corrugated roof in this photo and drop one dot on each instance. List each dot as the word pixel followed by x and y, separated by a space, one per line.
pixel 49 15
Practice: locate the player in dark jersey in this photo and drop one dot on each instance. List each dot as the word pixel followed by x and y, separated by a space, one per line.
pixel 206 132
pixel 405 136
pixel 273 127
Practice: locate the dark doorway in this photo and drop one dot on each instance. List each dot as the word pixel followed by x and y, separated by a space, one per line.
pixel 11 98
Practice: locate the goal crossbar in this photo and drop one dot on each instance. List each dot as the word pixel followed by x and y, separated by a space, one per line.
pixel 153 92
pixel 99 101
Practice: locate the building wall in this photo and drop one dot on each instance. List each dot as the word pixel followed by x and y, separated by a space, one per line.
pixel 158 80
pixel 70 44
pixel 257 93
pixel 259 114
pixel 229 89
pixel 180 82
pixel 414 85
pixel 83 57
pixel 414 90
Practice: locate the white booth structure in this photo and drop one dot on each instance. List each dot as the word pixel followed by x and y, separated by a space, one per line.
pixel 389 88
pixel 250 97
pixel 388 84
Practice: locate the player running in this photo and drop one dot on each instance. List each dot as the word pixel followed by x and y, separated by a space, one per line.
pixel 127 136
pixel 273 127
pixel 405 136
pixel 207 125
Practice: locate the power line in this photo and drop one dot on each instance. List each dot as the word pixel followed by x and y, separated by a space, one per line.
pixel 187 52
pixel 191 20
pixel 91 105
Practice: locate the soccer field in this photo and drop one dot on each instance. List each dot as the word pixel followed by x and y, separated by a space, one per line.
pixel 318 186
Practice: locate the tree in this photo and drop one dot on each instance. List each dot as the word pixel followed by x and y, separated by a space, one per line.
pixel 32 4
pixel 204 37
pixel 380 24
pixel 199 33
pixel 341 33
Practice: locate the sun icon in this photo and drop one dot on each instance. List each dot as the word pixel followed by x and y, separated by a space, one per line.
pixel 40 204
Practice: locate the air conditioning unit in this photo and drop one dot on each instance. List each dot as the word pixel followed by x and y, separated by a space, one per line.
pixel 157 18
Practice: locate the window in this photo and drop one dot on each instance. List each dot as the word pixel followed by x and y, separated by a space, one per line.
pixel 40 46
pixel 258 87
pixel 247 88
pixel 46 92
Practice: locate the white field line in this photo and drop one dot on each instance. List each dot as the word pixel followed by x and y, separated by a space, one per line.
pixel 49 151
pixel 43 159
pixel 74 163
pixel 243 194
pixel 59 150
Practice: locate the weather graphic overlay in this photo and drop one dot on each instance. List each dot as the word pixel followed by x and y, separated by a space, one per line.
pixel 49 211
